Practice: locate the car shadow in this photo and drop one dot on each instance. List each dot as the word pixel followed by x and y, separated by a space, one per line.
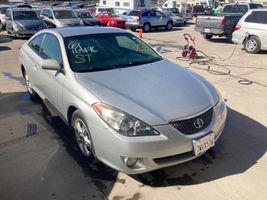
pixel 4 48
pixel 62 174
pixel 242 144
pixel 220 40
pixel 4 38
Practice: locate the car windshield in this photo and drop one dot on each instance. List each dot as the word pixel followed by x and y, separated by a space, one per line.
pixel 24 15
pixel 64 14
pixel 133 13
pixel 254 6
pixel 235 9
pixel 84 15
pixel 108 15
pixel 98 52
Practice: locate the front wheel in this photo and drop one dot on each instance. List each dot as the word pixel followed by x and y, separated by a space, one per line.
pixel 82 136
pixel 252 44
pixel 207 36
pixel 146 27
pixel 169 26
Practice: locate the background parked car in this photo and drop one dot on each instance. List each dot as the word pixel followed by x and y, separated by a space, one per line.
pixel 3 9
pixel 87 18
pixel 60 17
pixel 23 22
pixel 251 31
pixel 147 19
pixel 112 20
pixel 224 23
pixel 186 16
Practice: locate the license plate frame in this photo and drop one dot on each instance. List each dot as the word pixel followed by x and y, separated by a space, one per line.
pixel 204 143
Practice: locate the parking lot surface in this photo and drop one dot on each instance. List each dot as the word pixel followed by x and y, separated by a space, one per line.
pixel 39 160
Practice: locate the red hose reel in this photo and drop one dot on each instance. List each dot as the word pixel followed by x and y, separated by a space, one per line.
pixel 189 50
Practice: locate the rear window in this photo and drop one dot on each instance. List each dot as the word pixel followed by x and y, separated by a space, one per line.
pixel 133 13
pixel 235 9
pixel 254 6
pixel 257 17
pixel 198 9
pixel 64 14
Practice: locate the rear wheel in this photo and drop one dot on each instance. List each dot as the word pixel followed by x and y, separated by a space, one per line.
pixel 252 44
pixel 82 136
pixel 229 37
pixel 146 27
pixel 133 29
pixel 207 36
pixel 169 26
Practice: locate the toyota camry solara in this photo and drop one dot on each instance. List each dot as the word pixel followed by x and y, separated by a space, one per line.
pixel 129 107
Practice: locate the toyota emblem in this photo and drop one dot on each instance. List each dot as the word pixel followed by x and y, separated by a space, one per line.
pixel 198 123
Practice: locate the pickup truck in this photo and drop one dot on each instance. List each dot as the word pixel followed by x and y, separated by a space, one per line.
pixel 223 24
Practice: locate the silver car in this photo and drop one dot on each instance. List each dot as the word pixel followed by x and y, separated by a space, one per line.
pixel 129 107
pixel 147 19
pixel 251 31
pixel 23 22
pixel 60 17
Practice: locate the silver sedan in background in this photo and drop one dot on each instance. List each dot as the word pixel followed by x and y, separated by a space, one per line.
pixel 129 107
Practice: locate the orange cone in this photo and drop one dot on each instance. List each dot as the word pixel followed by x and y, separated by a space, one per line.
pixel 140 33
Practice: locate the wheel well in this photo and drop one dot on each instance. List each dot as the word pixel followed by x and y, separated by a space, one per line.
pixel 249 36
pixel 71 110
pixel 22 70
pixel 170 21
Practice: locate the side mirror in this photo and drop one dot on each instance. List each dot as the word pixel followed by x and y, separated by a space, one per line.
pixel 50 64
pixel 41 16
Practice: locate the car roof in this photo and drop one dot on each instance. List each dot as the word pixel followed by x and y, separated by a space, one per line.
pixel 258 9
pixel 57 8
pixel 77 31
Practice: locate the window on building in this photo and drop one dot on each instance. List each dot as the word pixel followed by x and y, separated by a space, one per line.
pixel 104 2
pixel 117 4
pixel 126 4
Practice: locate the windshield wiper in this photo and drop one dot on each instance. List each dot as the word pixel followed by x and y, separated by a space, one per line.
pixel 134 62
pixel 94 69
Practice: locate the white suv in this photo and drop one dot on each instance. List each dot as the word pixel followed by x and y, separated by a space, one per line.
pixel 60 17
pixel 251 31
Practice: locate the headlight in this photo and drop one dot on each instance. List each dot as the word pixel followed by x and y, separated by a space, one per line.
pixel 17 26
pixel 122 122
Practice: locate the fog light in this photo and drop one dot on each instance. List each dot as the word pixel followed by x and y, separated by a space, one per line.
pixel 130 162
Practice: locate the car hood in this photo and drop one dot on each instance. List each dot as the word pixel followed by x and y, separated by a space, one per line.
pixel 30 23
pixel 89 20
pixel 155 93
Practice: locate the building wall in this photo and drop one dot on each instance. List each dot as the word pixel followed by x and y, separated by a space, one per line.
pixel 125 4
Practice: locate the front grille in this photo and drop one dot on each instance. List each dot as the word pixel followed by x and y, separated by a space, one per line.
pixel 190 126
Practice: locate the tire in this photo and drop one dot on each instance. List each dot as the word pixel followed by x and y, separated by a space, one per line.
pixel 133 29
pixel 252 44
pixel 33 95
pixel 169 26
pixel 82 136
pixel 146 27
pixel 229 37
pixel 207 36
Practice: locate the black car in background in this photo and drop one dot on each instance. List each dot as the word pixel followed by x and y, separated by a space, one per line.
pixel 87 18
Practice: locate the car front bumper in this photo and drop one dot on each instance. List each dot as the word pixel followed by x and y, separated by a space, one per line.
pixel 24 33
pixel 169 148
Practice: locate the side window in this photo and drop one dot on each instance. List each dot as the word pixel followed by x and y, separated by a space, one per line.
pixel 145 14
pixel 159 14
pixel 257 17
pixel 50 48
pixel 36 42
pixel 49 13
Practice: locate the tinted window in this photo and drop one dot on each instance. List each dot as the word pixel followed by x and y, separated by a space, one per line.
pixel 49 13
pixel 35 44
pixel 257 17
pixel 253 6
pixel 148 14
pixel 24 15
pixel 84 15
pixel 88 53
pixel 235 9
pixel 64 14
pixel 133 13
pixel 50 48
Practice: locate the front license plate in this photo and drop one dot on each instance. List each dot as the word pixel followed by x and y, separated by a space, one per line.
pixel 203 144
pixel 207 30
